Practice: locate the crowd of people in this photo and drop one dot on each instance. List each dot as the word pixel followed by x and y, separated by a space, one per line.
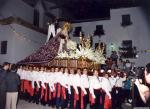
pixel 74 88
pixel 63 87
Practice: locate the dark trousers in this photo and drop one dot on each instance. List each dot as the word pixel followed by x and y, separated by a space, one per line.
pixel 78 102
pixel 71 98
pixel 99 100
pixel 119 97
pixel 86 99
pixel 64 102
pixel 58 99
pixel 126 94
pixel 36 96
pixel 114 98
pixel 2 99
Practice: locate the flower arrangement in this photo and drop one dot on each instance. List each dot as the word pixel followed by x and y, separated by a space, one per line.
pixel 84 53
pixel 71 45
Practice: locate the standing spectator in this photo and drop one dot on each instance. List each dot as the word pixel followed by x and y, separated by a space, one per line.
pixel 126 89
pixel 109 63
pixel 12 82
pixel 114 57
pixel 3 72
pixel 128 66
pixel 121 64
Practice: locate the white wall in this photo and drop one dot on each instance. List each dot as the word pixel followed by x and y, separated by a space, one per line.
pixel 18 48
pixel 6 35
pixel 139 32
pixel 17 8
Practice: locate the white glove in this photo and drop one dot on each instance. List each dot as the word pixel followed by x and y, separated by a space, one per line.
pixel 93 96
pixel 77 92
pixel 110 97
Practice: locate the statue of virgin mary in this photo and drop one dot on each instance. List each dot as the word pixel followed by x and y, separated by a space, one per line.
pixel 47 52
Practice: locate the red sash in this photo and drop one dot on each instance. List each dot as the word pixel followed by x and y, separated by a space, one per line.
pixel 31 90
pixel 50 94
pixel 26 86
pixel 91 99
pixel 46 92
pixel 63 93
pixel 59 90
pixel 101 91
pixel 76 98
pixel 42 92
pixel 107 102
pixel 82 99
pixel 54 93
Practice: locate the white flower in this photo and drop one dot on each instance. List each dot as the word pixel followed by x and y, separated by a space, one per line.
pixel 63 55
pixel 99 58
pixel 71 45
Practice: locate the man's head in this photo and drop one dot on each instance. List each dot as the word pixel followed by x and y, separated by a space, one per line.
pixel 6 65
pixel 13 67
pixel 95 73
pixel 85 71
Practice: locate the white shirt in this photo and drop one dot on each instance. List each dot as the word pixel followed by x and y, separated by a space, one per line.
pixel 94 84
pixel 84 83
pixel 58 77
pixel 77 79
pixel 19 72
pixel 29 75
pixel 71 79
pixel 42 79
pixel 76 82
pixel 106 86
pixel 65 80
pixel 36 77
pixel 23 74
pixel 119 82
pixel 51 81
pixel 113 81
pixel 72 82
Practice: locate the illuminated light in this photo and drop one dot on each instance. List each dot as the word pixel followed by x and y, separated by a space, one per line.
pixel 102 71
pixel 109 71
pixel 137 56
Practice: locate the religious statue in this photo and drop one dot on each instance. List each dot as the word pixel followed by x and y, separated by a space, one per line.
pixel 85 42
pixel 50 49
pixel 101 47
pixel 64 36
pixel 88 42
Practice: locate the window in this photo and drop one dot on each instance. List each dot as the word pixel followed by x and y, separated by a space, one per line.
pixel 36 18
pixel 126 20
pixel 77 31
pixel 3 47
